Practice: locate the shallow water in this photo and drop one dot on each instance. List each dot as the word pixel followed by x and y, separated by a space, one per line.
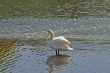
pixel 82 29
pixel 89 57
pixel 86 23
pixel 74 19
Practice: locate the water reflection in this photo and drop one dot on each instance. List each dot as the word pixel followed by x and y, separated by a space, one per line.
pixel 78 8
pixel 7 50
pixel 31 58
pixel 57 61
pixel 54 8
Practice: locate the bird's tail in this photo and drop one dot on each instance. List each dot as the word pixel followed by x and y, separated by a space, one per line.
pixel 71 48
pixel 67 47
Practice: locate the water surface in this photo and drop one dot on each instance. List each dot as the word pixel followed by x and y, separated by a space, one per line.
pixel 23 26
pixel 54 9
pixel 87 57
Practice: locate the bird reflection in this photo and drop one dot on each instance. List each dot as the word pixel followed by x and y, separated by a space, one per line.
pixel 57 61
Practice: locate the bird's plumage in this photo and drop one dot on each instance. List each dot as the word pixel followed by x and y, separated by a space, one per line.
pixel 58 43
pixel 61 39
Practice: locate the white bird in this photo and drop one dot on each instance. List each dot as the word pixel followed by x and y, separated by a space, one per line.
pixel 58 43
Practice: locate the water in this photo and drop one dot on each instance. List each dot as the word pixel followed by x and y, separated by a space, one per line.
pixel 54 9
pixel 83 29
pixel 88 57
pixel 23 31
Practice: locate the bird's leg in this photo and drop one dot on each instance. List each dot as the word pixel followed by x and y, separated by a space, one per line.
pixel 58 52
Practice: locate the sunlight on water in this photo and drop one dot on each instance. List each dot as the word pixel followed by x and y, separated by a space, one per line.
pixel 85 29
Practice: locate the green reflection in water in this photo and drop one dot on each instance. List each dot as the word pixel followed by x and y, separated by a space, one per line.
pixel 7 48
pixel 8 51
pixel 16 8
pixel 53 8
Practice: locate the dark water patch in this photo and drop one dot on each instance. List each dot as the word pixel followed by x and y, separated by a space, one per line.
pixel 54 9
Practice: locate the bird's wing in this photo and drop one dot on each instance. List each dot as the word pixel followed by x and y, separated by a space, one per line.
pixel 61 40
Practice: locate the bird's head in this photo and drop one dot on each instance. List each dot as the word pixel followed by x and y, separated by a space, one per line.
pixel 51 33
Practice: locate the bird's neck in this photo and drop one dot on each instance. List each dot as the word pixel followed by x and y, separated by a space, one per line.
pixel 51 35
